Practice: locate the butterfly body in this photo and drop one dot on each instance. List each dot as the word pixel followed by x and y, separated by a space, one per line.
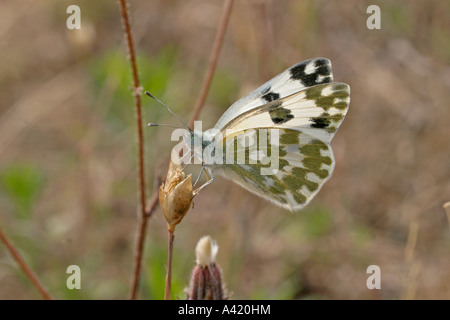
pixel 275 142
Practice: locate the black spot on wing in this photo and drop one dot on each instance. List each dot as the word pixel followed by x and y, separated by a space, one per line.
pixel 321 121
pixel 270 96
pixel 280 115
pixel 322 69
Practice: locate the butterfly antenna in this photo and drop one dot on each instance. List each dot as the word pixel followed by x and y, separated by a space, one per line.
pixel 151 124
pixel 173 113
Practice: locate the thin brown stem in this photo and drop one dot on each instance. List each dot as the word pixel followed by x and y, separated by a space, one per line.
pixel 151 206
pixel 212 61
pixel 208 77
pixel 198 107
pixel 140 136
pixel 152 203
pixel 446 207
pixel 167 292
pixel 21 262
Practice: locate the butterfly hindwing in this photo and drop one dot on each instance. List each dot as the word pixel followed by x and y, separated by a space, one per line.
pixel 296 164
pixel 298 77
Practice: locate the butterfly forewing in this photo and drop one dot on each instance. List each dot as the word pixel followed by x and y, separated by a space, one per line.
pixel 317 111
pixel 298 77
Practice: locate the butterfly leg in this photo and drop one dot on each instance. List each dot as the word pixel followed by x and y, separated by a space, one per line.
pixel 209 180
pixel 199 176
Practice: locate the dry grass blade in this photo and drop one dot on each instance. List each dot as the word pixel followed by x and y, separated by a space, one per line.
pixel 21 262
pixel 212 61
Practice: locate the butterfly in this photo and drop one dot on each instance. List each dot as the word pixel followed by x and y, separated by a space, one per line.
pixel 275 142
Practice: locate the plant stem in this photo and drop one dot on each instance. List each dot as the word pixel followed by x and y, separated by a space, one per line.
pixel 21 262
pixel 151 206
pixel 212 60
pixel 167 293
pixel 208 77
pixel 141 172
pixel 198 107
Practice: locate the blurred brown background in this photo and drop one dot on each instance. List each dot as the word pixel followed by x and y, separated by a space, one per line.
pixel 68 188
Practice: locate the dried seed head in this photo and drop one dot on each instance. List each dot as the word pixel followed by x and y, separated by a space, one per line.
pixel 175 195
pixel 206 279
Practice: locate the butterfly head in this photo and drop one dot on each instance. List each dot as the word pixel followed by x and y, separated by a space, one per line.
pixel 196 141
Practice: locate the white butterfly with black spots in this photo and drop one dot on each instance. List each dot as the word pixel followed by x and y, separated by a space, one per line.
pixel 303 108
